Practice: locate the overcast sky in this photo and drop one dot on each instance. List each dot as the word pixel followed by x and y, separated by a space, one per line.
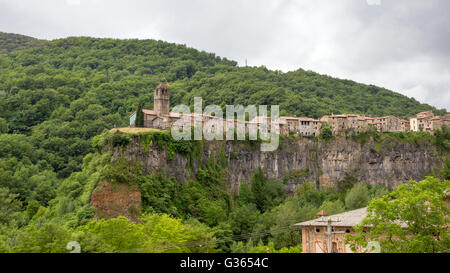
pixel 403 45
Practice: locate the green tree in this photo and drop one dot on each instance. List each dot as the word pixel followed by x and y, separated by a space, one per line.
pixel 266 193
pixel 32 208
pixel 333 207
pixel 258 184
pixel 412 219
pixel 327 132
pixel 245 194
pixel 357 197
pixel 171 235
pixel 3 126
pixel 243 219
pixel 309 195
pixel 222 232
pixel 50 238
pixel 442 138
pixel 118 234
pixel 10 206
pixel 139 116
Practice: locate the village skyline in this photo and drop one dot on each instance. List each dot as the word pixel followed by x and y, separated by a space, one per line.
pixel 213 120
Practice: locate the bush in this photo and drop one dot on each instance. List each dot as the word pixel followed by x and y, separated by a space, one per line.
pixel 3 126
pixel 357 197
pixel 266 193
pixel 327 133
pixel 139 116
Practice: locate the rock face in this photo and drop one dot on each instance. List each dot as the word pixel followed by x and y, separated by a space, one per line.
pixel 116 199
pixel 390 163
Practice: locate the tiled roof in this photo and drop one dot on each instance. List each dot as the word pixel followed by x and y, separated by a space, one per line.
pixel 343 116
pixel 425 113
pixel 260 119
pixel 366 118
pixel 346 219
pixel 290 118
pixel 299 119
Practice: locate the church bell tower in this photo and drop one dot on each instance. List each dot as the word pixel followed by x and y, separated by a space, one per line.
pixel 161 100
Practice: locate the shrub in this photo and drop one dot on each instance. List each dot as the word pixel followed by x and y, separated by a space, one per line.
pixel 357 197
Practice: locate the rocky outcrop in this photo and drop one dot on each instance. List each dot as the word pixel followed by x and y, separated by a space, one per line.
pixel 390 163
pixel 111 200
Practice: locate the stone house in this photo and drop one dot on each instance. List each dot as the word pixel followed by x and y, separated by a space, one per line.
pixel 320 234
pixel 436 123
pixel 314 232
pixel 325 231
pixel 316 127
pixel 427 114
pixel 282 125
pixel 422 122
pixel 341 124
pixel 293 124
pixel 326 234
pixel 309 127
pixel 389 124
pixel 405 125
pixel 303 126
pixel 365 124
pixel 161 118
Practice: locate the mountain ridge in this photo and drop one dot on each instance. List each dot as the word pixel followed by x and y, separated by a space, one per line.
pixel 37 43
pixel 11 41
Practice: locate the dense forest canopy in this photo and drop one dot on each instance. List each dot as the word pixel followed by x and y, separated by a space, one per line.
pixel 56 96
pixel 11 41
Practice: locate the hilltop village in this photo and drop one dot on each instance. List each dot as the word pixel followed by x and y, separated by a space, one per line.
pixel 161 118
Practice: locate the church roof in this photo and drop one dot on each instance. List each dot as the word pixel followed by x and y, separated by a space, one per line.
pixel 161 86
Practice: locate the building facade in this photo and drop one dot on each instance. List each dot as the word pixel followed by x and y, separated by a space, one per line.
pixel 161 118
pixel 389 124
pixel 428 122
pixel 315 233
pixel 302 126
pixel 342 124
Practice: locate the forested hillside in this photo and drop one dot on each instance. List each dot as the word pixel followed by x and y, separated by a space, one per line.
pixel 55 96
pixel 10 42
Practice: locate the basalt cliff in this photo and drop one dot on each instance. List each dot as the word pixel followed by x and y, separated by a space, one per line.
pixel 390 162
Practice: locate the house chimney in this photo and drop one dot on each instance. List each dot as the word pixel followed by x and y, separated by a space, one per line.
pixel 322 213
